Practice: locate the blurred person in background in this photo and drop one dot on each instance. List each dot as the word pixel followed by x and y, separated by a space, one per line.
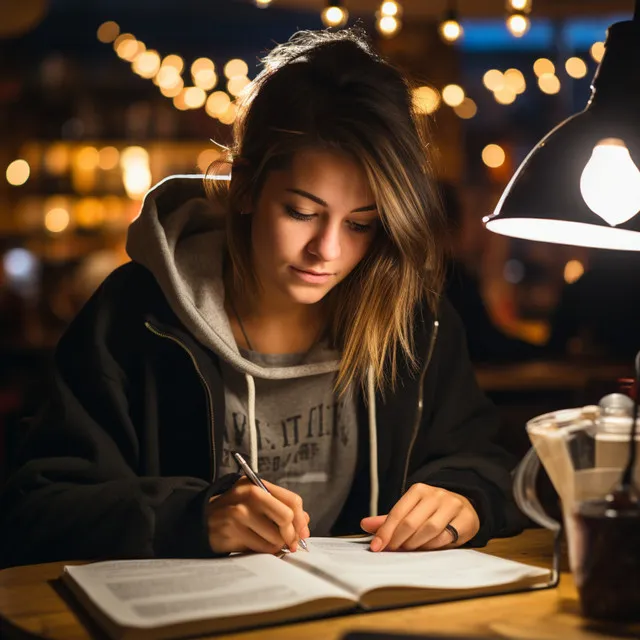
pixel 487 342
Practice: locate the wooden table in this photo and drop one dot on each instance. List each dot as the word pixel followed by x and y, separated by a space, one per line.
pixel 30 606
pixel 547 375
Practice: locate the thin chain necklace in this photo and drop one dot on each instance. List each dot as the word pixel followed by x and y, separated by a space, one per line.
pixel 246 337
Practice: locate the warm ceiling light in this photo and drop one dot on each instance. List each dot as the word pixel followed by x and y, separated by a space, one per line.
pixel 425 100
pixel 174 61
pixel 576 67
pixel 334 14
pixel 542 66
pixel 108 31
pixel 493 156
pixel 493 80
pixel 217 103
pixel 514 79
pixel 467 109
pixel 518 24
pixel 453 95
pixel 549 83
pixel 451 30
pixel 519 5
pixel 18 172
pixel 597 51
pixel 388 26
pixel 506 95
pixel 194 97
pixel 235 67
pixel 389 8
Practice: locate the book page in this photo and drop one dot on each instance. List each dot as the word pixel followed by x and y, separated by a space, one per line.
pixel 149 593
pixel 351 562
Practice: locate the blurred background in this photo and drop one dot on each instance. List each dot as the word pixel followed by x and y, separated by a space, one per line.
pixel 99 100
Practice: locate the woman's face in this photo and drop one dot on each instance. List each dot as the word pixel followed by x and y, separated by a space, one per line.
pixel 312 224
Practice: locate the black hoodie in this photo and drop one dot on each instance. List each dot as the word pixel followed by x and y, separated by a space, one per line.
pixel 124 456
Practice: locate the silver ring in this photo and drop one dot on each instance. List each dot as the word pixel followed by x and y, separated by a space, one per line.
pixel 454 533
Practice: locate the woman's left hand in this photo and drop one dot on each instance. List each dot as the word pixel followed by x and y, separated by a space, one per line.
pixel 419 519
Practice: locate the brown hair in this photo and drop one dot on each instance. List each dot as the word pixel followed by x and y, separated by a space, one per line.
pixel 330 90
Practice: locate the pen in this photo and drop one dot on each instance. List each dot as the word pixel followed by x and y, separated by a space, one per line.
pixel 253 476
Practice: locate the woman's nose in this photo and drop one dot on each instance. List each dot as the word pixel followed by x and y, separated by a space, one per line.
pixel 326 243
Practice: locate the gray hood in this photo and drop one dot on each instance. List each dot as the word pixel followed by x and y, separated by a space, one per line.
pixel 180 237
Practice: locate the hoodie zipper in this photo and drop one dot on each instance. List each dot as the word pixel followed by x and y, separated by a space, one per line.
pixel 161 334
pixel 416 426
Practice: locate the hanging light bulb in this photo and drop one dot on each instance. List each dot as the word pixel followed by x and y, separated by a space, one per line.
pixel 388 26
pixel 518 24
pixel 262 4
pixel 390 8
pixel 334 14
pixel 450 28
pixel 519 5
pixel 388 21
pixel 610 182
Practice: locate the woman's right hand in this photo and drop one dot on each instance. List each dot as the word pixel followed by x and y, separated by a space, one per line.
pixel 246 518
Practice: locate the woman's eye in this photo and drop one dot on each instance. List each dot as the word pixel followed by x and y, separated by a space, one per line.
pixel 296 215
pixel 360 228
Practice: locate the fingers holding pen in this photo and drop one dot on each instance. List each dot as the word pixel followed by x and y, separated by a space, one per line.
pixel 248 518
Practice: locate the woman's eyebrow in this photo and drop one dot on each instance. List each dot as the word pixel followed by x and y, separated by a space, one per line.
pixel 320 201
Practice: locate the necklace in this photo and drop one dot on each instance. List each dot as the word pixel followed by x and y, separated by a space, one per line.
pixel 246 337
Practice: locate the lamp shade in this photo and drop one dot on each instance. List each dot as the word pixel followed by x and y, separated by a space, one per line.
pixel 580 185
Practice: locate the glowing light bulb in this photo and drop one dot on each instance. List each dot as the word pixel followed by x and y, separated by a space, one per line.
pixel 389 8
pixel 388 26
pixel 451 30
pixel 334 16
pixel 610 182
pixel 518 24
pixel 519 5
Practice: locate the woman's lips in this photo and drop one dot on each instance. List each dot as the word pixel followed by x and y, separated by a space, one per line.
pixel 311 276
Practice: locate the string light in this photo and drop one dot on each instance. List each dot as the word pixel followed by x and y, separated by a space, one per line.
pixel 390 8
pixel 549 83
pixel 108 31
pixel 18 172
pixel 334 14
pixel 453 95
pixel 519 5
pixel 518 24
pixel 597 51
pixel 576 67
pixel 493 80
pixel 450 28
pixel 513 78
pixel 493 156
pixel 425 100
pixel 166 75
pixel 388 26
pixel 542 66
pixel 466 109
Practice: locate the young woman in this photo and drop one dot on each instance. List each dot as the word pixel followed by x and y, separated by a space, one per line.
pixel 291 313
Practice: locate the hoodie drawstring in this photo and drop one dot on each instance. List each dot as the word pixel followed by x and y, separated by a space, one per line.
pixel 253 431
pixel 373 443
pixel 373 434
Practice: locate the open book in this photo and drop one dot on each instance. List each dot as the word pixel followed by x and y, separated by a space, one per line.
pixel 172 598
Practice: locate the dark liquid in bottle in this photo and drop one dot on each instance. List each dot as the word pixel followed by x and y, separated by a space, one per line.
pixel 608 559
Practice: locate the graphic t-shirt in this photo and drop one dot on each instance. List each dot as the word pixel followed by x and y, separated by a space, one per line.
pixel 306 435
